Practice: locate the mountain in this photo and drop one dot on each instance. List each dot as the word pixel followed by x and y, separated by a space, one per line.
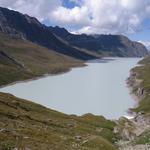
pixel 26 27
pixel 60 40
pixel 114 45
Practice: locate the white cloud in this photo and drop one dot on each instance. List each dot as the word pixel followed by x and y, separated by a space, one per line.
pixel 37 8
pixel 146 43
pixel 90 16
pixel 116 16
pixel 76 16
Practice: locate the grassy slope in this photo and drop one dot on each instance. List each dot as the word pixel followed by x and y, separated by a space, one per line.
pixel 143 73
pixel 32 60
pixel 24 124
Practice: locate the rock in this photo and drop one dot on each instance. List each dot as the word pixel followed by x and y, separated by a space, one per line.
pixel 78 138
pixel 71 125
pixel 75 145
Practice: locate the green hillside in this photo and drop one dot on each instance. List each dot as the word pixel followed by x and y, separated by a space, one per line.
pixel 26 125
pixel 21 59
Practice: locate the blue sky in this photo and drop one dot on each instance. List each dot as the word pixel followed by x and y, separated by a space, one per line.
pixel 144 34
pixel 68 4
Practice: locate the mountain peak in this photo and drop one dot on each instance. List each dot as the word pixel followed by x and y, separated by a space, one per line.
pixel 62 32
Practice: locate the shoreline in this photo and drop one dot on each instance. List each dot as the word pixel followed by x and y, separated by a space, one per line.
pixel 136 92
pixel 131 84
pixel 32 79
pixel 43 76
pixel 135 98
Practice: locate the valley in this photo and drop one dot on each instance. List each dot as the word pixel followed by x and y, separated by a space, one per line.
pixel 30 50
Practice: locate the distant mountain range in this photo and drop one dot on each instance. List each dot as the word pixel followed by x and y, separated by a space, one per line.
pixel 115 45
pixel 58 39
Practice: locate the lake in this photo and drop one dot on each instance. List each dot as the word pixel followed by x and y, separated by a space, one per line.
pixel 99 88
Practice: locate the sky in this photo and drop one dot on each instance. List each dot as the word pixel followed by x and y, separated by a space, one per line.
pixel 128 17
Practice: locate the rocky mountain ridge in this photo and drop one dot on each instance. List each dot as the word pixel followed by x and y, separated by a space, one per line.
pixel 114 45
